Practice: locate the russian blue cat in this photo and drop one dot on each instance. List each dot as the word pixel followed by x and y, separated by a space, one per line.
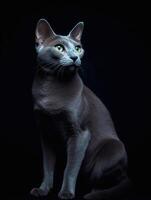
pixel 71 118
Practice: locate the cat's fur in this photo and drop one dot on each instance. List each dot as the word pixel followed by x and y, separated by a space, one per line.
pixel 71 118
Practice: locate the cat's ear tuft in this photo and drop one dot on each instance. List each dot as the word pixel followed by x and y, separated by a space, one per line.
pixel 76 32
pixel 43 31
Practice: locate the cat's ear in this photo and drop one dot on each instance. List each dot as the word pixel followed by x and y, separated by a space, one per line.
pixel 43 31
pixel 76 32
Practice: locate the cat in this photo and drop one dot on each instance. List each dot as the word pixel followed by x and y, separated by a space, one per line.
pixel 71 118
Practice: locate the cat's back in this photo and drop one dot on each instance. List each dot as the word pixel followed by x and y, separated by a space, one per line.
pixel 100 119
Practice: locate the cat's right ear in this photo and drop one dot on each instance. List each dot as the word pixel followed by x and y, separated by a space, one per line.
pixel 76 32
pixel 43 31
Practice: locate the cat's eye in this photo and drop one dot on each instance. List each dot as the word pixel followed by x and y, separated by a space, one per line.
pixel 78 49
pixel 59 47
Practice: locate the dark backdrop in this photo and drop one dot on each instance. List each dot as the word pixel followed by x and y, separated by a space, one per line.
pixel 116 65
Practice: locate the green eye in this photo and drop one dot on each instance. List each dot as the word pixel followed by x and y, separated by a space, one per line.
pixel 59 47
pixel 78 49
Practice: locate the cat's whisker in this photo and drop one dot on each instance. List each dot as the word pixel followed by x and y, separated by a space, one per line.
pixel 44 65
pixel 56 68
pixel 53 67
pixel 62 72
pixel 47 65
pixel 39 68
pixel 59 71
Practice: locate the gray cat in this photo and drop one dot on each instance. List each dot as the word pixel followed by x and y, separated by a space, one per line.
pixel 71 118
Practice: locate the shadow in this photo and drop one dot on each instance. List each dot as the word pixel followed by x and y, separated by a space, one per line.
pixel 134 195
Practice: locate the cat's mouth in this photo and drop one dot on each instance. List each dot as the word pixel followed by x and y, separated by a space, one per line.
pixel 72 67
pixel 66 72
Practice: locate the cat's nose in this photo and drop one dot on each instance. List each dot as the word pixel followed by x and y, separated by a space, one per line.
pixel 74 58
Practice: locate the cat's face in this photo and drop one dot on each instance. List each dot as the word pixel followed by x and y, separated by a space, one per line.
pixel 59 54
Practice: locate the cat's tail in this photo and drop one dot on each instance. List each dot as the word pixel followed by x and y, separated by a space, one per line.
pixel 117 191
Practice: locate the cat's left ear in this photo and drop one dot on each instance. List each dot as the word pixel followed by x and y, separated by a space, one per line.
pixel 43 31
pixel 76 32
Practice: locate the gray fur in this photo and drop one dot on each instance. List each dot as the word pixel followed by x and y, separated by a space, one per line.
pixel 70 113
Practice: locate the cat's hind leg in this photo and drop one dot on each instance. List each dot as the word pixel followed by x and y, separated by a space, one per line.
pixel 111 159
pixel 115 192
pixel 49 160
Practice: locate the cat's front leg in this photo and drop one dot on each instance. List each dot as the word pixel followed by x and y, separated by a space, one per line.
pixel 49 160
pixel 76 148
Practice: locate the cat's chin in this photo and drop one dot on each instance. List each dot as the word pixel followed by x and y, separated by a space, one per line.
pixel 68 72
pixel 72 67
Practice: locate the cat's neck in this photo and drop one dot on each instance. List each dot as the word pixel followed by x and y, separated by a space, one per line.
pixel 47 76
pixel 53 94
pixel 45 80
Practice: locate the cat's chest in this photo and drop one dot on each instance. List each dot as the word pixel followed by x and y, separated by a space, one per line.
pixel 55 97
pixel 53 127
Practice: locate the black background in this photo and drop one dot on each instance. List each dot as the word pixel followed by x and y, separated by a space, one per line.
pixel 116 66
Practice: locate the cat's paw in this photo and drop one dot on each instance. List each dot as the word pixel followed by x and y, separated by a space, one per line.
pixel 66 195
pixel 38 192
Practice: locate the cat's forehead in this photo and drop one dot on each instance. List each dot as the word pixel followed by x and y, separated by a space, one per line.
pixel 60 39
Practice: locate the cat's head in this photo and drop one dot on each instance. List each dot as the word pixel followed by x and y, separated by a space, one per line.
pixel 60 55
